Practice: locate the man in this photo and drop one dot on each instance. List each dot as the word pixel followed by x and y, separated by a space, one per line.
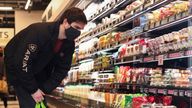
pixel 39 57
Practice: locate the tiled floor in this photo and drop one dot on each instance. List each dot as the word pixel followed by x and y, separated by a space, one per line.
pixel 11 104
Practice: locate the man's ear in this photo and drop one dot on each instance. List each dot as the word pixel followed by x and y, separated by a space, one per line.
pixel 65 21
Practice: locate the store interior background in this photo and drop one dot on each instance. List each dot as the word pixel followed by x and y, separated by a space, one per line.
pixel 12 21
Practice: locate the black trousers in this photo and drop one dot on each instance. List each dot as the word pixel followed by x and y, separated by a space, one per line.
pixel 25 99
pixel 4 99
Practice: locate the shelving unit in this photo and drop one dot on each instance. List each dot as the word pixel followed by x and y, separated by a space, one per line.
pixel 124 25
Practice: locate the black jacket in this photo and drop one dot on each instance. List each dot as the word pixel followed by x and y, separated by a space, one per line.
pixel 31 62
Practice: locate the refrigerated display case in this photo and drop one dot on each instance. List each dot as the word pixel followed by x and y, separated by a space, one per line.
pixel 135 54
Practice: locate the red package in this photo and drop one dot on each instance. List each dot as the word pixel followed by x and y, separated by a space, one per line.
pixel 124 75
pixel 122 51
pixel 167 100
pixel 139 101
pixel 151 99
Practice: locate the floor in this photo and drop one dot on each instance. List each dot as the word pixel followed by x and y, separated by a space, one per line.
pixel 11 104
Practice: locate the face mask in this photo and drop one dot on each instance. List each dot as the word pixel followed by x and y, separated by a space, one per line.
pixel 72 33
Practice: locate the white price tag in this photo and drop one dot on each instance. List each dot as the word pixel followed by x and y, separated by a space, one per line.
pixel 128 87
pixel 160 60
pixel 175 92
pixel 181 93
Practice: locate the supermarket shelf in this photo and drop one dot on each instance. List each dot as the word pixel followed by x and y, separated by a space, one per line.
pixel 117 46
pixel 98 34
pixel 110 10
pixel 126 21
pixel 171 24
pixel 166 57
pixel 103 71
pixel 59 102
pixel 142 88
pixel 150 30
pixel 107 49
pixel 75 65
pixel 127 62
pixel 175 91
pixel 97 100
pixel 169 56
pixel 87 59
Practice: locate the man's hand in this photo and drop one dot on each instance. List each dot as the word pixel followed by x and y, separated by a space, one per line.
pixel 38 96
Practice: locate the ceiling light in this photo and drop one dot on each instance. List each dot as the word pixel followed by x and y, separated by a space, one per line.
pixel 6 8
pixel 27 4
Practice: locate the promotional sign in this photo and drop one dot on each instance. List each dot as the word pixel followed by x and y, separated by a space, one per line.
pixel 6 34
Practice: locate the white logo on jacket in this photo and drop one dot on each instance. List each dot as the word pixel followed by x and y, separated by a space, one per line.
pixel 25 60
pixel 32 47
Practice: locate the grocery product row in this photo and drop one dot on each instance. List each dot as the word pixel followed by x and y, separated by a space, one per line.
pixel 172 45
pixel 120 100
pixel 173 11
pixel 112 41
pixel 133 54
pixel 158 77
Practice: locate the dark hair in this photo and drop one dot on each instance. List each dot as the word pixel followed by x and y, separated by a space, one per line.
pixel 73 15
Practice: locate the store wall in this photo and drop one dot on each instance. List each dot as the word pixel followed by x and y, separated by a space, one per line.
pixel 24 18
pixel 56 8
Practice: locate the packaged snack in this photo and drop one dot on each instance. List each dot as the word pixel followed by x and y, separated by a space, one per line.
pixel 139 101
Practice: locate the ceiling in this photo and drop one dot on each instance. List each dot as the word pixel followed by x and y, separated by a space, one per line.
pixel 7 17
pixel 20 4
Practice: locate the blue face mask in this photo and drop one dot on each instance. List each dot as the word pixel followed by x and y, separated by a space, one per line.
pixel 72 33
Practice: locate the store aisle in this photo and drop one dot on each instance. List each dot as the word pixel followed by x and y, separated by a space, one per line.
pixel 11 104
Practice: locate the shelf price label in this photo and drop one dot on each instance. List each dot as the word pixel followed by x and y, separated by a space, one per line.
pixel 128 87
pixel 146 90
pixel 148 59
pixel 171 92
pixel 117 86
pixel 141 89
pixel 175 93
pixel 181 92
pixel 188 53
pixel 188 93
pixel 160 60
pixel 165 91
pixel 160 91
pixel 153 90
pixel 175 55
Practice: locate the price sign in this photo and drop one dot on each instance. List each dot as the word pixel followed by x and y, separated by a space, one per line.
pixel 175 55
pixel 146 90
pixel 141 90
pixel 160 59
pixel 148 59
pixel 165 91
pixel 171 92
pixel 122 60
pixel 161 91
pixel 128 87
pixel 181 93
pixel 175 92
pixel 188 53
pixel 188 93
pixel 117 86
pixel 153 90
